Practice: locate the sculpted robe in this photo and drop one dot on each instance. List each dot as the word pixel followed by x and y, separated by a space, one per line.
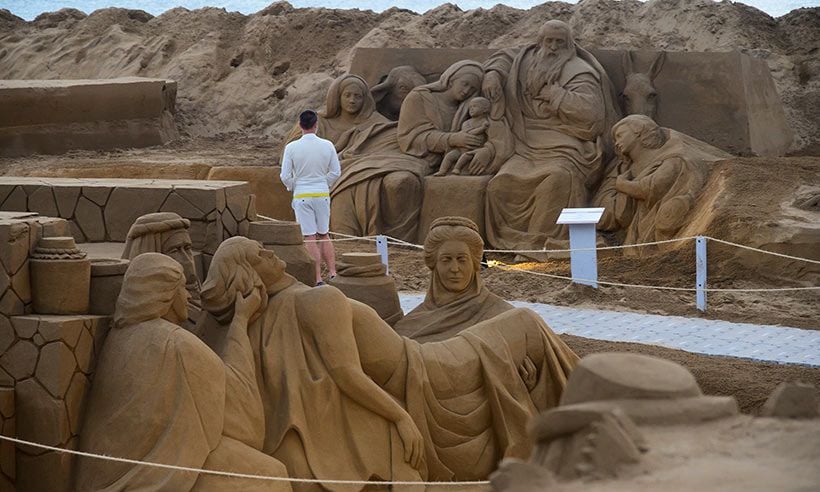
pixel 557 155
pixel 161 395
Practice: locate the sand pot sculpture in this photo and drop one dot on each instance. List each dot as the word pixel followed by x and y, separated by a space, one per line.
pixel 60 277
pixel 394 409
pixel 392 89
pixel 379 191
pixel 557 101
pixel 162 395
pixel 363 277
pixel 655 185
pixel 167 233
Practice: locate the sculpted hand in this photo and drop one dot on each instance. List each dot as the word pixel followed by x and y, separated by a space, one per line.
pixel 480 161
pixel 246 307
pixel 465 140
pixel 412 440
pixel 622 183
pixel 529 373
pixel 491 88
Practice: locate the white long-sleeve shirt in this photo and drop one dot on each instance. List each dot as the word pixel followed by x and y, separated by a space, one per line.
pixel 310 166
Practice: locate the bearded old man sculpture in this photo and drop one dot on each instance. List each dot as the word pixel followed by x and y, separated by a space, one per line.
pixel 161 395
pixel 392 408
pixel 556 98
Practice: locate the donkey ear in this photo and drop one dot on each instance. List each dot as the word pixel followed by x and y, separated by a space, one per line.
pixel 657 65
pixel 626 62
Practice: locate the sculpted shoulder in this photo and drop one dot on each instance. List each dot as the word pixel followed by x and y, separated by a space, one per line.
pixel 575 67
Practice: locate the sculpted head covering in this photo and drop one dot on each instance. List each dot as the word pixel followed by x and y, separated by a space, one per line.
pixel 151 284
pixel 446 229
pixel 462 67
pixel 333 107
pixel 150 231
pixel 231 272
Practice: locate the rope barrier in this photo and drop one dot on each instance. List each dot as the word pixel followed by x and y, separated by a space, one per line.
pixel 599 248
pixel 231 474
pixel 507 268
pixel 796 258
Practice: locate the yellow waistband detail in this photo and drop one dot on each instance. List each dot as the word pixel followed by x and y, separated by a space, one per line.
pixel 310 195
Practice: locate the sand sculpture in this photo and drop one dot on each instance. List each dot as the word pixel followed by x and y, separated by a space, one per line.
pixel 363 277
pixel 557 100
pixel 167 233
pixel 456 297
pixel 162 395
pixel 657 181
pixel 393 88
pixel 386 402
pixel 595 430
pixel 60 277
pixel 379 191
pixel 285 239
pixel 639 95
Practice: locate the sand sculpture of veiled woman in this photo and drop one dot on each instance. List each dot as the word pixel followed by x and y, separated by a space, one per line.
pixel 380 189
pixel 432 115
pixel 456 297
pixel 346 397
pixel 161 395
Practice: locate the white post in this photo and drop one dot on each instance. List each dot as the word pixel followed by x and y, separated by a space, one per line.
pixel 582 234
pixel 381 248
pixel 700 268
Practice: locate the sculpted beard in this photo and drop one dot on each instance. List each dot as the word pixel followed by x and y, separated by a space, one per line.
pixel 546 69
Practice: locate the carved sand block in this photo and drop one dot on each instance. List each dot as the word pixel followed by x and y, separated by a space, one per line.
pixel 461 196
pixel 363 277
pixel 286 240
pixel 54 116
pixel 52 381
pixel 103 210
pixel 272 199
pixel 106 281
pixel 7 428
pixel 648 389
pixel 60 277
pixel 792 400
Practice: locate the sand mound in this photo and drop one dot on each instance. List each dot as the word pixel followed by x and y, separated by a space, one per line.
pixel 252 74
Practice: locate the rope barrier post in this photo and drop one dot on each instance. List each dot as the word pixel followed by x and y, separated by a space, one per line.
pixel 583 257
pixel 700 269
pixel 381 248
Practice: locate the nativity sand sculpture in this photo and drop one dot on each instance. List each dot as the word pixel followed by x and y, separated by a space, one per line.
pixel 379 191
pixel 557 101
pixel 393 408
pixel 167 233
pixel 391 91
pixel 161 395
pixel 660 176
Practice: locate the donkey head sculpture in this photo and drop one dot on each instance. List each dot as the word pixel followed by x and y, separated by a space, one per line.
pixel 639 95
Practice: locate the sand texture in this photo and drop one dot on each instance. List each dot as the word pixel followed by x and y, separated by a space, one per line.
pixel 251 75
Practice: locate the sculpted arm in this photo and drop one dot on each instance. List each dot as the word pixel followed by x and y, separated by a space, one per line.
pixel 580 104
pixel 326 313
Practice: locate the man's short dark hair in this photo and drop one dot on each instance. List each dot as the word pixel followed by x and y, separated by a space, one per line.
pixel 307 119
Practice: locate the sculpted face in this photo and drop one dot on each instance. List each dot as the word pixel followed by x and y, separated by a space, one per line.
pixel 269 267
pixel 178 247
pixel 554 41
pixel 625 140
pixel 454 265
pixel 352 99
pixel 463 86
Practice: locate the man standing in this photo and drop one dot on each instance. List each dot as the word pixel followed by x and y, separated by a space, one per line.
pixel 310 166
pixel 553 95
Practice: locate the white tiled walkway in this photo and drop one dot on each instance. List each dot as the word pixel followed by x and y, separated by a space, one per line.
pixel 760 342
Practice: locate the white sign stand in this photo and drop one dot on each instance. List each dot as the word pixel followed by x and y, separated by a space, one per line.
pixel 581 222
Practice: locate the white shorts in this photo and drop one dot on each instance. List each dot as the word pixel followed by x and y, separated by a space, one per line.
pixel 312 214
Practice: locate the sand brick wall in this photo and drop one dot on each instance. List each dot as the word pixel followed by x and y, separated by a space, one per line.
pixel 102 210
